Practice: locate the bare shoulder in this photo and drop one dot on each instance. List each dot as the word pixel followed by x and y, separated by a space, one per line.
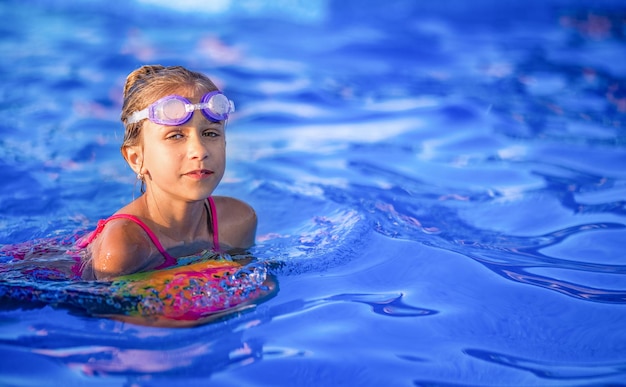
pixel 233 209
pixel 122 248
pixel 237 222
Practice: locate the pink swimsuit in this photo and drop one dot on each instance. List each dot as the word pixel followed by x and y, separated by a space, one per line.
pixel 169 260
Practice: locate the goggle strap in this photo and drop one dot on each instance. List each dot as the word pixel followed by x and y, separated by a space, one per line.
pixel 137 116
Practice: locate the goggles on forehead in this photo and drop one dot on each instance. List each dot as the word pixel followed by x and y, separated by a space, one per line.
pixel 176 110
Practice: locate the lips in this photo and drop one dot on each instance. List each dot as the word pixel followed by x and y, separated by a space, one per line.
pixel 199 174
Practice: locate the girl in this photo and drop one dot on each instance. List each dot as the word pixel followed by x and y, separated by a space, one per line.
pixel 175 142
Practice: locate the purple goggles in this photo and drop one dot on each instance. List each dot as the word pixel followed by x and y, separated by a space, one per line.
pixel 175 110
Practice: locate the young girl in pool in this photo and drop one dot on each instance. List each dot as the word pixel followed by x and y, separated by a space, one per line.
pixel 175 141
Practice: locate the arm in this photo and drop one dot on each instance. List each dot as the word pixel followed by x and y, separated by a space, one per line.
pixel 122 248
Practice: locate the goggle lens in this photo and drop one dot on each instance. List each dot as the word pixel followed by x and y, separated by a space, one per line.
pixel 171 111
pixel 216 107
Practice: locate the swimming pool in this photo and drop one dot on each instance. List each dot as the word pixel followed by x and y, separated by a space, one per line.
pixel 442 185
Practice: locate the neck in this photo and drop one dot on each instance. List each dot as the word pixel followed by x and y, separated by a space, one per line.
pixel 179 221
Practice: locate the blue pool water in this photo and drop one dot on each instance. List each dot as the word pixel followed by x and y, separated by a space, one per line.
pixel 442 186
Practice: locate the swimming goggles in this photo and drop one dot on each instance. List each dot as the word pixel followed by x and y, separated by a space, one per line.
pixel 175 110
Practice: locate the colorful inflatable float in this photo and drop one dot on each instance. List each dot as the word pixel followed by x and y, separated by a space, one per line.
pixel 185 295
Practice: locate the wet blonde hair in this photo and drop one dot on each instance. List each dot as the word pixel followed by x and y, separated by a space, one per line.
pixel 151 82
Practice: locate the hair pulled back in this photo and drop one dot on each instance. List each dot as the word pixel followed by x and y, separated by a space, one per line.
pixel 151 82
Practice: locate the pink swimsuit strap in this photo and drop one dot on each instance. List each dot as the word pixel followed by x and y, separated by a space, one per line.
pixel 216 238
pixel 169 260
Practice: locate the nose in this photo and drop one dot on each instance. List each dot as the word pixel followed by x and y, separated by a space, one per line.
pixel 196 148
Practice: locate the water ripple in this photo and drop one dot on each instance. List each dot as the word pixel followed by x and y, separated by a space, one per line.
pixel 552 370
pixel 389 305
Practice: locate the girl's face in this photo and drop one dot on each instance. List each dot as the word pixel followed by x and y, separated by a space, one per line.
pixel 187 161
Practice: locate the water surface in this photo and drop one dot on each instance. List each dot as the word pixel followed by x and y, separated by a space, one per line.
pixel 441 186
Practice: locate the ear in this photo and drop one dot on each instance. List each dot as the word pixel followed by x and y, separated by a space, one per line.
pixel 134 157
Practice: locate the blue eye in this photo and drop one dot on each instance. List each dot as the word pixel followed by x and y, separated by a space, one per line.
pixel 175 136
pixel 211 133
